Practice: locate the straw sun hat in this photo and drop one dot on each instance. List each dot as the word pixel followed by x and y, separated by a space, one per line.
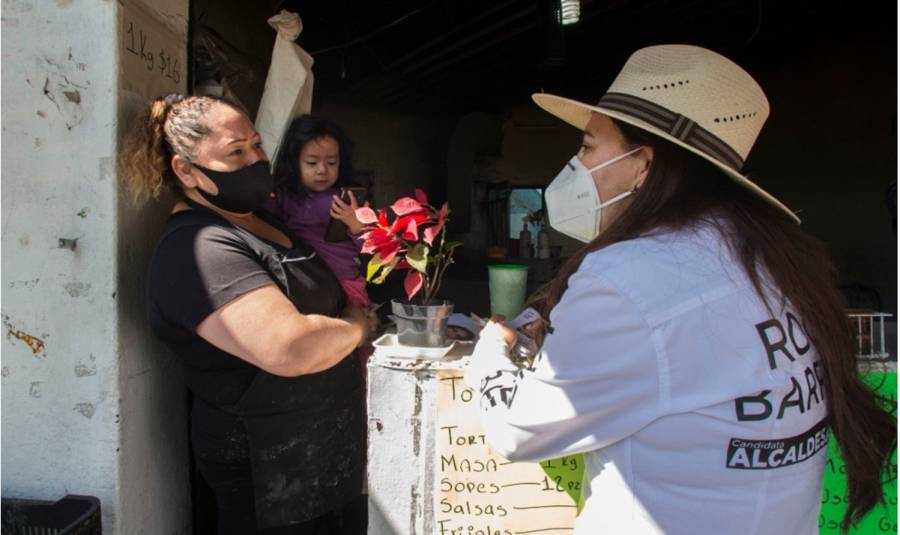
pixel 688 95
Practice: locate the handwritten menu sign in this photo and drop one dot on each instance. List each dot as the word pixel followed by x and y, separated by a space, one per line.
pixel 153 57
pixel 480 493
pixel 883 518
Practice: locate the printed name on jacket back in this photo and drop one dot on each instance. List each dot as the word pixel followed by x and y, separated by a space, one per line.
pixel 783 344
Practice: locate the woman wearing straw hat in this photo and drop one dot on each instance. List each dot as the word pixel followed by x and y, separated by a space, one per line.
pixel 696 350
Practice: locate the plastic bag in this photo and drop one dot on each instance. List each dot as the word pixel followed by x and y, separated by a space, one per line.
pixel 289 84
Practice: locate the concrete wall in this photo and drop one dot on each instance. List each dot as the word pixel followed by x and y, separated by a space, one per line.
pixel 154 485
pixel 89 401
pixel 472 152
pixel 403 151
pixel 246 41
pixel 60 393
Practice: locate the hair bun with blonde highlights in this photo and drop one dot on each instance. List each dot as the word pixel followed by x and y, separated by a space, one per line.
pixel 170 125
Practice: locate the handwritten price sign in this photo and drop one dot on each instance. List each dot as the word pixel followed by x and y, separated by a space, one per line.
pixel 882 519
pixel 137 45
pixel 480 493
pixel 153 57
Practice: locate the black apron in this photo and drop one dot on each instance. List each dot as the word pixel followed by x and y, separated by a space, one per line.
pixel 306 434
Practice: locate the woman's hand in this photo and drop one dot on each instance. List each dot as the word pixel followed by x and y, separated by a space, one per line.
pixel 365 320
pixel 491 353
pixel 500 329
pixel 347 212
pixel 497 334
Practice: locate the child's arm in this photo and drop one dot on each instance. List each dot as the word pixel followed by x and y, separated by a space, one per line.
pixel 346 212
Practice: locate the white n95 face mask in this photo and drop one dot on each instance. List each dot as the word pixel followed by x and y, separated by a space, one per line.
pixel 573 206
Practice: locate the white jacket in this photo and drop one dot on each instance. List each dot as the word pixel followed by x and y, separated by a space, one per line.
pixel 698 411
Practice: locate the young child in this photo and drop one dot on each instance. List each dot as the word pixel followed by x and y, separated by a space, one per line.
pixel 313 162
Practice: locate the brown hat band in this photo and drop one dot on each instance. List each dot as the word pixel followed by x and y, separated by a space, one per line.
pixel 677 126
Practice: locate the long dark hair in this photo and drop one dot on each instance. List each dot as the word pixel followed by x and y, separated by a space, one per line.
pixel 301 131
pixel 683 190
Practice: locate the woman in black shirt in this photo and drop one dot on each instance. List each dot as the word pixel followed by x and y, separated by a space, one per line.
pixel 260 323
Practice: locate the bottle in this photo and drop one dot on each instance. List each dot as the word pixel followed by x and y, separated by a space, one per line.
pixel 543 243
pixel 525 250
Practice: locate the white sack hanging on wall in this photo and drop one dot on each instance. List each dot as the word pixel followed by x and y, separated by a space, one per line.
pixel 289 84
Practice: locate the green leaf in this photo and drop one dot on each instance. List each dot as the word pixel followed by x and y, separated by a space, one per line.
pixel 386 270
pixel 373 267
pixel 418 257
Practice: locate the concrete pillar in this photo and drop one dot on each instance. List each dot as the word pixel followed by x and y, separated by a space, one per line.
pixel 402 411
pixel 431 470
pixel 91 403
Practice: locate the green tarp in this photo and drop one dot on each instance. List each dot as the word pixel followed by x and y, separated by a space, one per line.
pixel 882 519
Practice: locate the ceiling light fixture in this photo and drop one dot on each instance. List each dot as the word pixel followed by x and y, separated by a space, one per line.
pixel 570 11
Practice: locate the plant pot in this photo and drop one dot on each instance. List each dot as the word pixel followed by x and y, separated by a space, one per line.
pixel 422 325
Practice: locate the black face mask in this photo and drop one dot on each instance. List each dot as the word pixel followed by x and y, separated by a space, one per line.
pixel 241 191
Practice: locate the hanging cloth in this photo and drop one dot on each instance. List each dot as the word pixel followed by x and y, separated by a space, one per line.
pixel 289 84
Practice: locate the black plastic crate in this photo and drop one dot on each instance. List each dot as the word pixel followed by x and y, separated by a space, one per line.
pixel 72 515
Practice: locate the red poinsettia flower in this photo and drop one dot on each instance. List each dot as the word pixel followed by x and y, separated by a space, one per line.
pixel 382 241
pixel 412 283
pixel 412 231
pixel 389 251
pixel 432 231
pixel 412 240
pixel 366 215
pixel 401 224
pixel 406 205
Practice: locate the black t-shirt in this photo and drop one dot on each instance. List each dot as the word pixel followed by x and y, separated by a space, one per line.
pixel 305 435
pixel 203 262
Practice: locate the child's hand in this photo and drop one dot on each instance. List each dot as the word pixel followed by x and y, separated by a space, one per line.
pixel 346 212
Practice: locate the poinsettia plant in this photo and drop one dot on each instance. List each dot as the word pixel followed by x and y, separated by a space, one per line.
pixel 413 239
